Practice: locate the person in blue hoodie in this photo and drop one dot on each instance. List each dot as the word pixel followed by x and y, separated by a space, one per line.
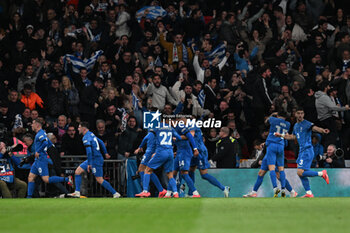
pixel 318 148
pixel 242 58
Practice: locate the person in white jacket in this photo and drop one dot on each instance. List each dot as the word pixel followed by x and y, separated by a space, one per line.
pixel 159 94
pixel 200 69
pixel 121 23
pixel 186 97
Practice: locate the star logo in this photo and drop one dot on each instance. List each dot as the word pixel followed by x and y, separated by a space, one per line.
pixel 155 115
pixel 151 120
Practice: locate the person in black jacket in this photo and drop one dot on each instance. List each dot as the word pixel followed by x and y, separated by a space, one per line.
pixel 261 99
pixel 226 150
pixel 89 101
pixel 211 102
pixel 16 106
pixel 72 143
pixel 56 102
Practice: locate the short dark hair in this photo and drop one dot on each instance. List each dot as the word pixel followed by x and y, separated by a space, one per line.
pixel 299 108
pixel 282 114
pixel 84 124
pixel 323 85
pixel 263 69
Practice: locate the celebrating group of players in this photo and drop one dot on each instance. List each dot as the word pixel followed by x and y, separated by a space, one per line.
pixel 274 159
pixel 191 154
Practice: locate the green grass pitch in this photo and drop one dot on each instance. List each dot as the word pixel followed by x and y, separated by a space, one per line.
pixel 106 215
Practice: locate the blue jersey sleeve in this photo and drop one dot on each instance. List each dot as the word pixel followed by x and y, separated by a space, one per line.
pixel 176 135
pixel 102 146
pixel 87 145
pixel 308 125
pixel 43 143
pixel 191 139
pixel 146 139
pixel 272 120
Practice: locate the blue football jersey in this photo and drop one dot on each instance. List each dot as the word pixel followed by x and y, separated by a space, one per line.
pixel 149 139
pixel 41 144
pixel 182 144
pixel 90 140
pixel 303 131
pixel 164 137
pixel 198 137
pixel 277 125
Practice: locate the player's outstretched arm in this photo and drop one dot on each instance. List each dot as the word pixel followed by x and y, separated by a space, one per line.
pixel 320 130
pixel 285 136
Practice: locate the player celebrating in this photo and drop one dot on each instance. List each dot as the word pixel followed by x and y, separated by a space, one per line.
pixel 184 156
pixel 202 163
pixel 164 156
pixel 151 147
pixel 94 162
pixel 302 132
pixel 263 170
pixel 40 165
pixel 275 149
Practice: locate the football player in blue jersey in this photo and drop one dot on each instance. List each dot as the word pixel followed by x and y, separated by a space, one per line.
pixel 42 159
pixel 164 156
pixel 275 149
pixel 94 162
pixel 184 155
pixel 149 139
pixel 201 161
pixel 302 133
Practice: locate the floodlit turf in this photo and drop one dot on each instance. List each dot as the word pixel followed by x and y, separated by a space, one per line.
pixel 216 215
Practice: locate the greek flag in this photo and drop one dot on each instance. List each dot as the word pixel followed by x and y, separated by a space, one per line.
pixel 135 101
pixel 78 63
pixel 219 51
pixel 154 12
pixel 201 98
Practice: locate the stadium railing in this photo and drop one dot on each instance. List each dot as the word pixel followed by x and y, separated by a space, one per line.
pixel 112 171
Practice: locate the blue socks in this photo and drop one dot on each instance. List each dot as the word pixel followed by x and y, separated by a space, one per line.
pixel 146 179
pixel 310 173
pixel 141 175
pixel 305 182
pixel 189 182
pixel 283 179
pixel 191 174
pixel 108 186
pixel 273 178
pixel 258 182
pixel 213 181
pixel 288 186
pixel 156 182
pixel 57 179
pixel 31 187
pixel 77 182
pixel 172 184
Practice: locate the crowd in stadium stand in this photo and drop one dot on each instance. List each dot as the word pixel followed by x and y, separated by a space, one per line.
pixel 108 61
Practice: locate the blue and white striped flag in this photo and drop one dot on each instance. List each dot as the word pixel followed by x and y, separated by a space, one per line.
pixel 78 63
pixel 135 101
pixel 219 51
pixel 154 12
pixel 201 98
